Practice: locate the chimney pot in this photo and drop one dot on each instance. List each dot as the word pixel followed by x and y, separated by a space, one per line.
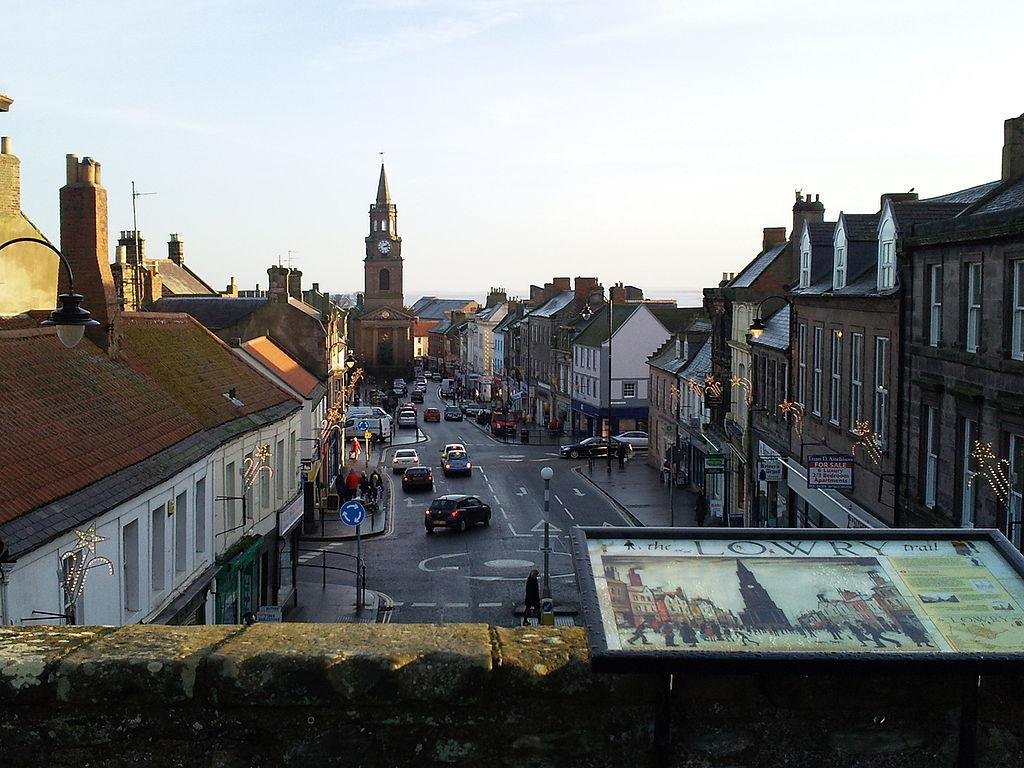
pixel 1013 148
pixel 5 145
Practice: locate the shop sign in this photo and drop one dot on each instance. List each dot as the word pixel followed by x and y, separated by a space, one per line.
pixel 716 507
pixel 769 469
pixel 830 471
pixel 714 464
pixel 270 613
pixel 716 596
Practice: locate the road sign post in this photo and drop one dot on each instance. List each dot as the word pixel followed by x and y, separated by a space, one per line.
pixel 353 513
pixel 367 438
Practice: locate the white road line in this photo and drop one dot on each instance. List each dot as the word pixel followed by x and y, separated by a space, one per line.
pixel 518 535
pixel 489 605
pixel 577 491
pixel 490 487
pixel 496 499
pixel 424 605
pixel 569 513
pixel 503 512
pixel 558 499
pixel 397 604
pixel 456 605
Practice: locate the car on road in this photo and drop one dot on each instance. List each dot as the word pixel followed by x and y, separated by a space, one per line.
pixel 432 414
pixel 471 409
pixel 435 376
pixel 417 478
pixel 592 446
pixel 403 458
pixel 451 448
pixel 502 423
pixel 407 419
pixel 635 439
pixel 457 463
pixel 399 384
pixel 451 413
pixel 456 511
pixel 416 396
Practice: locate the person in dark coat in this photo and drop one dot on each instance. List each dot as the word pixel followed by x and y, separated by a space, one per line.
pixel 532 607
pixel 620 453
pixel 700 508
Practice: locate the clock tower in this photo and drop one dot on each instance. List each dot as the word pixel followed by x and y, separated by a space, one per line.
pixel 382 267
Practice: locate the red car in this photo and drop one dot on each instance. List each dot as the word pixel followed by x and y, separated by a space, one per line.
pixel 432 414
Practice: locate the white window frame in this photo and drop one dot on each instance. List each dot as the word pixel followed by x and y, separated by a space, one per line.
pixel 835 392
pixel 1017 311
pixel 199 504
pixel 839 269
pixel 805 268
pixel 632 388
pixel 934 305
pixel 181 533
pixel 801 384
pixel 1015 501
pixel 816 349
pixel 880 411
pixel 973 308
pixel 856 378
pixel 931 455
pixel 158 548
pixel 969 491
pixel 887 265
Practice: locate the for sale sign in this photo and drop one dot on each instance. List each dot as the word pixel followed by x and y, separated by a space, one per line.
pixel 830 471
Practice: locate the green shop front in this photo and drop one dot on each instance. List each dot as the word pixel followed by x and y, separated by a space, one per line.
pixel 238 581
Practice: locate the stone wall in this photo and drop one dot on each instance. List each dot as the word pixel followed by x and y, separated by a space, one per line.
pixel 452 695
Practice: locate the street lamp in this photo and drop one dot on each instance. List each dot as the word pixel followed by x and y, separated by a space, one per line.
pixel 70 318
pixel 757 327
pixel 546 474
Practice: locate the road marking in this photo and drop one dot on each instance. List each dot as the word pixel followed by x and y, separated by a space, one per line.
pixel 397 604
pixel 522 491
pixel 569 513
pixel 424 605
pixel 503 512
pixel 423 563
pixel 496 499
pixel 489 605
pixel 518 535
pixel 578 492
pixel 456 605
pixel 490 487
pixel 552 528
pixel 558 499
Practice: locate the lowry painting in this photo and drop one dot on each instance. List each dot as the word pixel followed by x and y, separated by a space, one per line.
pixel 791 595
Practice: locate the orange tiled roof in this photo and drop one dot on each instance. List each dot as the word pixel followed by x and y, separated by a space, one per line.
pixel 422 327
pixel 282 364
pixel 195 368
pixel 73 416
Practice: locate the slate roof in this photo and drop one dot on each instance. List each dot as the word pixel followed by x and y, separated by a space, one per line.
pixel 442 327
pixel 666 359
pixel 179 280
pixel 674 318
pixel 487 312
pixel 861 226
pixel 776 331
pixel 283 365
pixel 1008 198
pixel 700 365
pixel 554 305
pixel 966 196
pixel 595 333
pixel 214 312
pixel 508 321
pixel 756 268
pixel 433 308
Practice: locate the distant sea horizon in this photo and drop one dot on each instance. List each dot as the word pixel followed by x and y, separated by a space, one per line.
pixel 684 297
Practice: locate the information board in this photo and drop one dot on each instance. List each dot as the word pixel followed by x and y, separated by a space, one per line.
pixel 830 471
pixel 756 595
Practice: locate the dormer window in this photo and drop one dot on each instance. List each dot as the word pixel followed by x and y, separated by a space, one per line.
pixel 886 265
pixel 805 267
pixel 839 273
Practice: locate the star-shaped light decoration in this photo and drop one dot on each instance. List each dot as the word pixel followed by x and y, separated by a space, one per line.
pixel 868 440
pixel 88 539
pixel 991 468
pixel 794 409
pixel 743 381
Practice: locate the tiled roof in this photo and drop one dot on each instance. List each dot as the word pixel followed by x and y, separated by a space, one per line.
pixel 433 308
pixel 179 280
pixel 700 365
pixel 194 368
pixel 776 331
pixel 674 318
pixel 214 312
pixel 1008 198
pixel 860 226
pixel 422 327
pixel 756 268
pixel 554 305
pixel 268 354
pixel 967 196
pixel 595 333
pixel 72 417
pixel 909 214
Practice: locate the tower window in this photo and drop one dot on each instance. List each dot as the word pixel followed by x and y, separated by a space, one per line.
pixel 384 280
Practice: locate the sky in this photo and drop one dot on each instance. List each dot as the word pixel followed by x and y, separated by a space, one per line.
pixel 642 142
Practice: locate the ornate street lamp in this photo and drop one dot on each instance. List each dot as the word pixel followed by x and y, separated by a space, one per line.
pixel 69 318
pixel 757 328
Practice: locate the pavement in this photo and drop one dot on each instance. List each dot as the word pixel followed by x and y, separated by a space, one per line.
pixel 639 492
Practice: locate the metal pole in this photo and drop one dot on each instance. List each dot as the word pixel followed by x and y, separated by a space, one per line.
pixel 611 312
pixel 547 540
pixel 359 565
pixel 323 568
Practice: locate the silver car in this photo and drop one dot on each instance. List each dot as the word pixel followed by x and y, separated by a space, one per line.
pixel 635 439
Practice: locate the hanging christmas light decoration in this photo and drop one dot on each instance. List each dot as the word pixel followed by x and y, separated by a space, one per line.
pixel 870 441
pixel 713 386
pixel 993 469
pixel 255 464
pixel 794 409
pixel 695 386
pixel 743 381
pixel 76 563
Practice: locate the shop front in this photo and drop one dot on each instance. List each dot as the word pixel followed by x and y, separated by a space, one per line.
pixel 289 531
pixel 190 607
pixel 822 508
pixel 238 581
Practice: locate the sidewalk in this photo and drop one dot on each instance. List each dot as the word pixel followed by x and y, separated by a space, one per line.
pixel 639 492
pixel 334 604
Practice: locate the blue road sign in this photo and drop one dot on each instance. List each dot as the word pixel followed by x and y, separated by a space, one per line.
pixel 352 512
pixel 363 425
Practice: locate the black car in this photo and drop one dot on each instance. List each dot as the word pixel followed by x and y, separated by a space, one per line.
pixel 416 396
pixel 451 413
pixel 592 446
pixel 471 409
pixel 416 478
pixel 456 511
pixel 484 417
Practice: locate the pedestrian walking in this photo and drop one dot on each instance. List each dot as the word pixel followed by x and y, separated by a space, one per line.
pixel 620 453
pixel 351 484
pixel 700 508
pixel 532 606
pixel 364 486
pixel 669 633
pixel 638 634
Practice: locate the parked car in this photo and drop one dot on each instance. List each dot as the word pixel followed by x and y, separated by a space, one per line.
pixel 451 448
pixel 399 387
pixel 592 446
pixel 417 478
pixel 457 463
pixel 407 419
pixel 451 413
pixel 635 439
pixel 435 376
pixel 502 424
pixel 432 414
pixel 472 410
pixel 404 458
pixel 416 396
pixel 456 511
pixel 483 417
pixel 378 428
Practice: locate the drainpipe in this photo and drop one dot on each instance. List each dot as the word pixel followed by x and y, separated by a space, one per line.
pixel 3 594
pixel 905 326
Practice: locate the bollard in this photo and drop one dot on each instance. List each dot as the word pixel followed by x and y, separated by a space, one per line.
pixel 547 612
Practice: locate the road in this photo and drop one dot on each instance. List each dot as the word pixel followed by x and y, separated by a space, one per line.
pixel 480 575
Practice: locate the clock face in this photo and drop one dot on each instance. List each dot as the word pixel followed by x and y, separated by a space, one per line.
pixel 384 246
pixel 385 315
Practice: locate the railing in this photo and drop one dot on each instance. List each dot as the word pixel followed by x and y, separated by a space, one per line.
pixel 358 570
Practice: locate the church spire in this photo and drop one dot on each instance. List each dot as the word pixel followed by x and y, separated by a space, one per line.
pixel 383 193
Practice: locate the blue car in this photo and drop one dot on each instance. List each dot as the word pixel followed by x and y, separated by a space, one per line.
pixel 457 463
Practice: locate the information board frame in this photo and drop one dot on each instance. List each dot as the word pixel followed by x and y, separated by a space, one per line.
pixel 614 657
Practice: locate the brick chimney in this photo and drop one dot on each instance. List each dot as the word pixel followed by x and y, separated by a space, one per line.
pixel 277 290
pixel 560 284
pixel 617 294
pixel 152 284
pixel 805 210
pixel 232 289
pixel 772 236
pixel 582 287
pixel 10 180
pixel 496 296
pixel 295 284
pixel 176 250
pixel 1013 148
pixel 896 197
pixel 83 240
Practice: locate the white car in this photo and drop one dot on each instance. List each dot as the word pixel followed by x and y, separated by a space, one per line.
pixel 407 419
pixel 451 448
pixel 636 439
pixel 404 457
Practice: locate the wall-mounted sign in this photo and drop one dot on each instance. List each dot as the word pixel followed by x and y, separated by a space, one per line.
pixel 755 596
pixel 714 463
pixel 769 469
pixel 830 471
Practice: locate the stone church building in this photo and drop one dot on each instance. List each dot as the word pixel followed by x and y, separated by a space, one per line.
pixel 381 324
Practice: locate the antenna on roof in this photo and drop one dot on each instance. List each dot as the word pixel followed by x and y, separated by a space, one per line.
pixel 290 258
pixel 137 245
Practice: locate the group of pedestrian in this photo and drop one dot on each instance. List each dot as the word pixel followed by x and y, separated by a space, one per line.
pixel 357 484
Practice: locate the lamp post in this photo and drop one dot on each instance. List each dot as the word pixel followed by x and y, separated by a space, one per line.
pixel 757 326
pixel 70 318
pixel 546 474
